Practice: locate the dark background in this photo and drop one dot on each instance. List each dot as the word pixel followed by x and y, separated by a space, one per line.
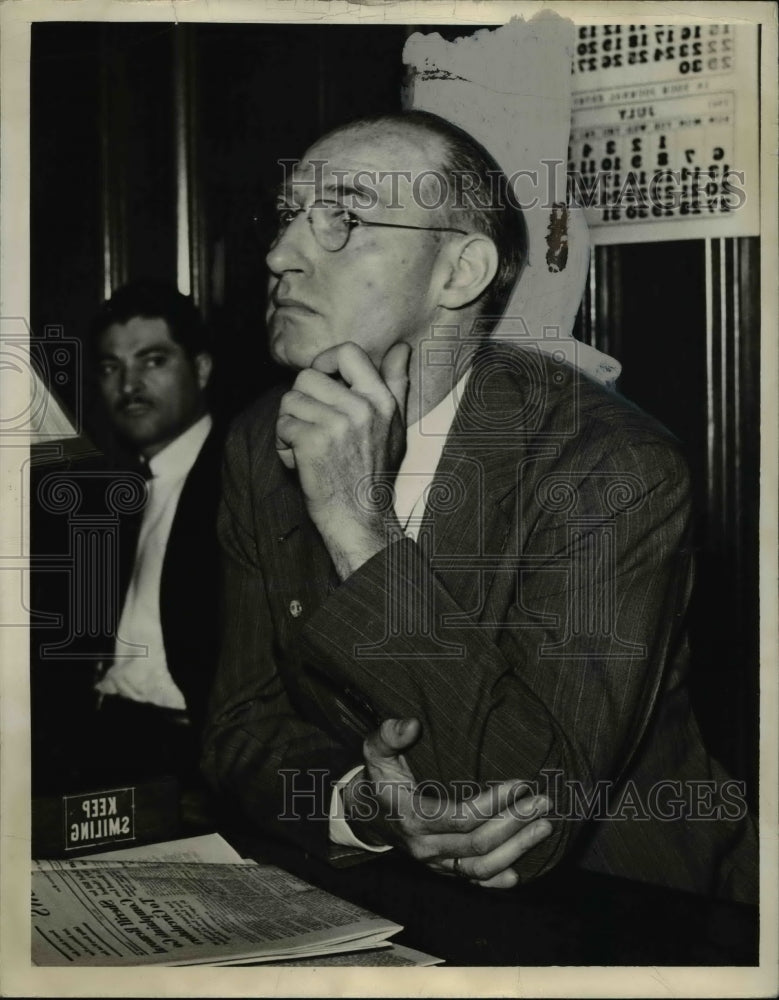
pixel 103 173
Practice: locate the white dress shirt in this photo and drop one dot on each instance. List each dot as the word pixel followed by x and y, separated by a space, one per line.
pixel 140 670
pixel 424 445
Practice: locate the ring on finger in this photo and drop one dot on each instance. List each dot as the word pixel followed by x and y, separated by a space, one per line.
pixel 457 868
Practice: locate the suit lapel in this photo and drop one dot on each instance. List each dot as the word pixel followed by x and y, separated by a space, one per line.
pixel 190 569
pixel 303 570
pixel 498 429
pixel 469 511
pixel 200 490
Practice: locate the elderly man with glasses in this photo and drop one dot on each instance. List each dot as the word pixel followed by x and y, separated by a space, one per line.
pixel 455 568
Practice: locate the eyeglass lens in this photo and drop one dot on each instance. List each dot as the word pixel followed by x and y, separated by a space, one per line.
pixel 329 223
pixel 331 226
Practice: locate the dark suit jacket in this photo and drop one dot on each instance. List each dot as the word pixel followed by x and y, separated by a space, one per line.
pixel 88 598
pixel 535 628
pixel 189 586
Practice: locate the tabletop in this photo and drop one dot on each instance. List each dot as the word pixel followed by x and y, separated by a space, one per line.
pixel 568 917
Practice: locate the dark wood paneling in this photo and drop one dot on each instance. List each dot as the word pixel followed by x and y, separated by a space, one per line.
pixel 65 207
pixel 683 318
pixel 138 64
pixel 265 94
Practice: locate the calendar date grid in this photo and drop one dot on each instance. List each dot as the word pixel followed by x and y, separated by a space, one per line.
pixel 689 49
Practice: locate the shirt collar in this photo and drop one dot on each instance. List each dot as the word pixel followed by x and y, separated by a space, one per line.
pixel 425 439
pixel 176 459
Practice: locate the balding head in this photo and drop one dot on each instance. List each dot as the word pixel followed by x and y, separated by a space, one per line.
pixel 377 246
pixel 461 182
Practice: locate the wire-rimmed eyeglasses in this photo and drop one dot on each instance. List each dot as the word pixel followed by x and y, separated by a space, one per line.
pixel 332 224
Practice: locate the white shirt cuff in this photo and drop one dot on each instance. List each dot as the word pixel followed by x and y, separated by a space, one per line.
pixel 339 830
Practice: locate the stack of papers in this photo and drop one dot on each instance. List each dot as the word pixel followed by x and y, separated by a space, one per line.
pixel 193 902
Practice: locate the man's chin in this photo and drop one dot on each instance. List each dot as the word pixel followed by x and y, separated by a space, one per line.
pixel 294 351
pixel 137 434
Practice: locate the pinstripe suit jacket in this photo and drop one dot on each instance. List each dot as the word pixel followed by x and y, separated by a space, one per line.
pixel 535 628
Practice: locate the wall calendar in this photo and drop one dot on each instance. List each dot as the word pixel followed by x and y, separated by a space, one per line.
pixel 664 131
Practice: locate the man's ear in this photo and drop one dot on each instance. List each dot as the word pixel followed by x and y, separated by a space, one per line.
pixel 203 366
pixel 473 263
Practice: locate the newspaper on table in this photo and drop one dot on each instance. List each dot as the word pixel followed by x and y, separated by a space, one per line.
pixel 391 956
pixel 142 907
pixel 208 848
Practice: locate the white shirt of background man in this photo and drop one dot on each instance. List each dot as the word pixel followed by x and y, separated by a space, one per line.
pixel 425 442
pixel 140 669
